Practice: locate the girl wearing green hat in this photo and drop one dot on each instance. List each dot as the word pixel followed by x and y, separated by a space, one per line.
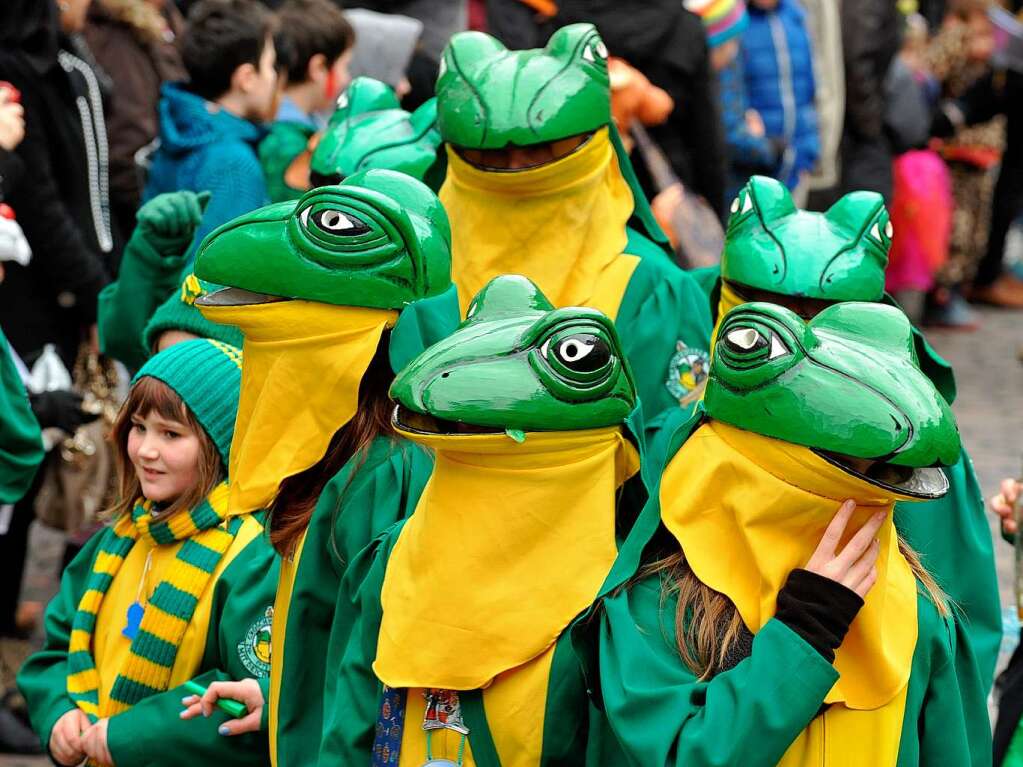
pixel 176 587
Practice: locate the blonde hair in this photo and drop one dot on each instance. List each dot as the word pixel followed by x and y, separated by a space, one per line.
pixel 143 18
pixel 707 624
pixel 146 396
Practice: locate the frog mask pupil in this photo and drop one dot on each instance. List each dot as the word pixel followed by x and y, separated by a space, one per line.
pixel 333 221
pixel 751 342
pixel 583 353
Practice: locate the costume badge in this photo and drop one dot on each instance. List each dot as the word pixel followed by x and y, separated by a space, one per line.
pixel 443 712
pixel 687 373
pixel 254 649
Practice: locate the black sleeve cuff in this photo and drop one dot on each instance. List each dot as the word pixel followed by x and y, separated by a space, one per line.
pixel 819 609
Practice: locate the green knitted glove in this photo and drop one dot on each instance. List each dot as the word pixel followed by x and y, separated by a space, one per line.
pixel 168 221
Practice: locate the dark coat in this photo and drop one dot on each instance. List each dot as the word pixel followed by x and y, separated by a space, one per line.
pixel 138 64
pixel 64 211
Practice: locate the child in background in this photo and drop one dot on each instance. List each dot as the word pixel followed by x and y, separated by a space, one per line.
pixel 210 128
pixel 750 152
pixel 176 588
pixel 777 62
pixel 320 41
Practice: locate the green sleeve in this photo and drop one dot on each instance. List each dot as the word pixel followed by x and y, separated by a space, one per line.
pixel 144 281
pixel 140 736
pixel 21 442
pixel 665 327
pixel 953 538
pixel 284 142
pixel 662 714
pixel 352 699
pixel 953 725
pixel 42 679
pixel 707 278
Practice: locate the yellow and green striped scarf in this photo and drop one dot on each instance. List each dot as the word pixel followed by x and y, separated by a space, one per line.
pixel 207 535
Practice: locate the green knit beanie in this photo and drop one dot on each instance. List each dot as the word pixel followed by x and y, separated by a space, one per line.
pixel 179 313
pixel 207 375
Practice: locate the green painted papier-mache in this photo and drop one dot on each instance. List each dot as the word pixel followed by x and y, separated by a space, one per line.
pixel 373 246
pixel 518 363
pixel 840 255
pixel 369 129
pixel 841 384
pixel 515 403
pixel 777 375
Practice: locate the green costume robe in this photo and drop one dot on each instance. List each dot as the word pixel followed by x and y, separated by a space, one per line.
pixel 951 534
pixel 21 443
pixel 370 494
pixel 286 140
pixel 151 732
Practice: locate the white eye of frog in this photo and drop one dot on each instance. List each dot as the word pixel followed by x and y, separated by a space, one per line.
pixel 332 221
pixel 443 67
pixel 342 100
pixel 889 230
pixel 573 350
pixel 749 339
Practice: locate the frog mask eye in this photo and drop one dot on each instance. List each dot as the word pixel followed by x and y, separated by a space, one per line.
pixel 331 221
pixel 752 349
pixel 577 360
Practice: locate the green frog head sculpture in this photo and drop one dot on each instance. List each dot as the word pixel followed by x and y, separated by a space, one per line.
pixel 489 97
pixel 517 364
pixel 380 239
pixel 845 384
pixel 839 255
pixel 369 129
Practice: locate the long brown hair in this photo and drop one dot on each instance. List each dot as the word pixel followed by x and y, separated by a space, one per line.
pixel 297 495
pixel 707 624
pixel 146 396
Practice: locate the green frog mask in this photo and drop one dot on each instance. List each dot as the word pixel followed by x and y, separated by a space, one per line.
pixel 839 255
pixel 846 384
pixel 380 239
pixel 369 129
pixel 517 364
pixel 489 97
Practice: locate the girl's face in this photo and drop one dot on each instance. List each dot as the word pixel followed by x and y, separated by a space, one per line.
pixel 165 454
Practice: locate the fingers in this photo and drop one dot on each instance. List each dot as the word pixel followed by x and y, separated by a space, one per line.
pixel 862 567
pixel 867 583
pixel 859 543
pixel 192 707
pixel 203 198
pixel 1010 490
pixel 65 751
pixel 833 535
pixel 248 723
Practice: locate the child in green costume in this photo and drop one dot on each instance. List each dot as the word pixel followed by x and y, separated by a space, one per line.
pixel 538 184
pixel 461 650
pixel 332 293
pixel 320 40
pixel 770 613
pixel 808 261
pixel 174 589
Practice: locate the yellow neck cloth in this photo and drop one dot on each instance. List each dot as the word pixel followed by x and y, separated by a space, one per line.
pixel 749 509
pixel 300 384
pixel 561 224
pixel 508 544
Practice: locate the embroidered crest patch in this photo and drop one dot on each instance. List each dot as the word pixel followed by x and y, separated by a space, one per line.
pixel 687 373
pixel 254 649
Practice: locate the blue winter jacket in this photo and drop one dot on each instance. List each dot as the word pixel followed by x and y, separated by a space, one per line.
pixel 778 64
pixel 206 148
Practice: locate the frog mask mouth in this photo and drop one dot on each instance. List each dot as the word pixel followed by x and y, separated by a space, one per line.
pixel 517 364
pixel 845 384
pixel 516 159
pixel 380 240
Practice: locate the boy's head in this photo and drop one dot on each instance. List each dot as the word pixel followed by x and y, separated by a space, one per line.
pixel 320 41
pixel 724 21
pixel 228 51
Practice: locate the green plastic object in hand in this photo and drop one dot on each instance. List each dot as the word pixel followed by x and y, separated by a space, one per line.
pixel 233 708
pixel 845 383
pixel 489 97
pixel 515 365
pixel 369 129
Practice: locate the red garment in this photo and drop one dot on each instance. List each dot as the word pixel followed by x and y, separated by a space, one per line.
pixel 921 214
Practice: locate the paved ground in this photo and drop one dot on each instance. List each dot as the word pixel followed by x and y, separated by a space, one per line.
pixel 989 408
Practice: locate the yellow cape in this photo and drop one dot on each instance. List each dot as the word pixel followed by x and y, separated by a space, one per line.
pixel 300 383
pixel 747 510
pixel 562 225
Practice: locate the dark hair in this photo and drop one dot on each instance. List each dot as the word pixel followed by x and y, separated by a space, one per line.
pixel 222 35
pixel 297 495
pixel 311 27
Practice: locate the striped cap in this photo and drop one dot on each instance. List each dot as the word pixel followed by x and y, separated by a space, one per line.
pixel 722 19
pixel 207 375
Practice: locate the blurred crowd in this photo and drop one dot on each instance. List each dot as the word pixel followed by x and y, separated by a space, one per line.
pixel 105 104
